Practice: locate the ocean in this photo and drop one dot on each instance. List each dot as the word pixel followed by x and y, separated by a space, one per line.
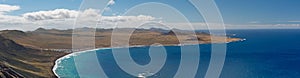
pixel 266 53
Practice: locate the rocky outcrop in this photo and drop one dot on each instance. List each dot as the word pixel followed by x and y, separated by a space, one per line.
pixel 7 44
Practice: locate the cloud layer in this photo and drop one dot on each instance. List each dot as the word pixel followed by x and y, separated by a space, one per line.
pixel 8 8
pixel 72 14
pixel 52 14
pixel 64 19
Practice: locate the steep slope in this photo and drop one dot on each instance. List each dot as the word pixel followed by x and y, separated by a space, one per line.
pixel 19 61
pixel 9 45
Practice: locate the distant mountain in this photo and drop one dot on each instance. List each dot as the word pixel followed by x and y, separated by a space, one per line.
pixel 170 33
pixel 40 30
pixel 159 30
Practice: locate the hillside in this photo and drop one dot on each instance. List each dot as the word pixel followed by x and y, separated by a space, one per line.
pixel 62 39
pixel 32 53
pixel 19 61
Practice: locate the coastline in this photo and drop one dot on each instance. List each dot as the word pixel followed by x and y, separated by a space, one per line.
pixel 58 60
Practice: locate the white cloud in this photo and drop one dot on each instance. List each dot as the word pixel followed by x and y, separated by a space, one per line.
pixel 15 22
pixel 64 19
pixel 8 8
pixel 60 14
pixel 10 21
pixel 90 13
pixel 111 2
pixel 52 14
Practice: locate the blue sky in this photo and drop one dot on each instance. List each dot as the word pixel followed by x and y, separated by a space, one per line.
pixel 264 11
pixel 237 12
pixel 38 5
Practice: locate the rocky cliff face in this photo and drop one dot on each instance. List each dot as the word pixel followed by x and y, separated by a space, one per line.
pixel 18 61
pixel 6 47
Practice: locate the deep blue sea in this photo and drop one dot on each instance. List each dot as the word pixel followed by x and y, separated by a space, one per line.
pixel 266 53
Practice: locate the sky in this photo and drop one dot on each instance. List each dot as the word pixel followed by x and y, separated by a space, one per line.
pixel 237 14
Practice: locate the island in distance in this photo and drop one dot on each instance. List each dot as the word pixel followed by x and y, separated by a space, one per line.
pixel 33 53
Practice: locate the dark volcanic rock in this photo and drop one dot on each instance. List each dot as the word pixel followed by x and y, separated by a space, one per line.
pixel 7 44
pixel 170 33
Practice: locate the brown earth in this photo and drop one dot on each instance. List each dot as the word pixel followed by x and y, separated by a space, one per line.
pixel 32 53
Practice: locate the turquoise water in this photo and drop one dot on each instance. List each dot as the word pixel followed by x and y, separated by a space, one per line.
pixel 265 54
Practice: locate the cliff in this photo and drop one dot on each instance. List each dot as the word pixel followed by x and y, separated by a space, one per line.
pixel 17 61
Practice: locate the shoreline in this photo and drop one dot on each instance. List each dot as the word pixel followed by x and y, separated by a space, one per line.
pixel 58 60
pixel 69 55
